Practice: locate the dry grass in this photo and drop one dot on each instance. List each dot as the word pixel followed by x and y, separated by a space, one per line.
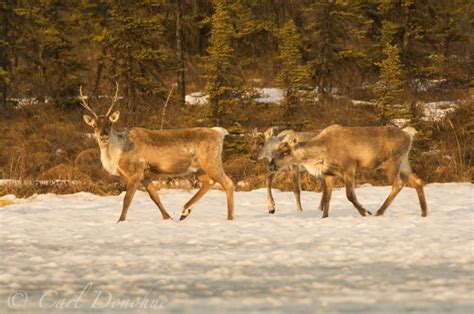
pixel 48 142
pixel 6 202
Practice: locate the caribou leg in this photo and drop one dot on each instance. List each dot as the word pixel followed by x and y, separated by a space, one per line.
pixel 397 186
pixel 270 200
pixel 131 189
pixel 297 186
pixel 206 185
pixel 415 182
pixel 326 197
pixel 351 196
pixel 150 188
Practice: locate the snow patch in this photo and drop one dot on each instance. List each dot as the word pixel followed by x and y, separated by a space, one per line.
pixel 287 262
pixel 437 110
pixel 196 99
pixel 270 95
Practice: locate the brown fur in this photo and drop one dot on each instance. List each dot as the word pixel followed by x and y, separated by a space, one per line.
pixel 137 152
pixel 262 146
pixel 340 151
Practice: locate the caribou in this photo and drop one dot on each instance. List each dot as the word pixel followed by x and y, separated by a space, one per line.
pixel 263 145
pixel 340 151
pixel 136 153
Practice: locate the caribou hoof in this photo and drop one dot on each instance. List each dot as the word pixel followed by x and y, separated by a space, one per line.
pixel 271 211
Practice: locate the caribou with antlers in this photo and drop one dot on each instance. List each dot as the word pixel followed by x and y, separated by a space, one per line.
pixel 136 153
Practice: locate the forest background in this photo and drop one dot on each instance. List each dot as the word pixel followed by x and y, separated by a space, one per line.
pixel 355 63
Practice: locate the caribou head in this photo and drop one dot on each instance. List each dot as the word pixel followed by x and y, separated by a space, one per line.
pixel 102 124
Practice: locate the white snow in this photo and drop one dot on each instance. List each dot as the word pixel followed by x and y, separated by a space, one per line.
pixel 270 95
pixel 66 253
pixel 400 122
pixel 267 95
pixel 362 103
pixel 437 110
pixel 196 99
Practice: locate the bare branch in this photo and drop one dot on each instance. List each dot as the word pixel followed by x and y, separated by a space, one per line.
pixel 164 107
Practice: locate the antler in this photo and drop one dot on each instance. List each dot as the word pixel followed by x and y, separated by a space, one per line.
pixel 113 99
pixel 84 103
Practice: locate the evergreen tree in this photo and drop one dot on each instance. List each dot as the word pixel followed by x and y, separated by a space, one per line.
pixel 186 32
pixel 5 64
pixel 388 87
pixel 390 80
pixel 406 23
pixel 136 52
pixel 333 27
pixel 451 55
pixel 224 80
pixel 35 51
pixel 294 75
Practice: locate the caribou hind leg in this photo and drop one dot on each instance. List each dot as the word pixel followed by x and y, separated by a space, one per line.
pixel 397 186
pixel 206 185
pixel 228 187
pixel 297 187
pixel 415 182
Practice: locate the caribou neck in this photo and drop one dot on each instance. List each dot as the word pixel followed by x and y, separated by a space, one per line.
pixel 111 152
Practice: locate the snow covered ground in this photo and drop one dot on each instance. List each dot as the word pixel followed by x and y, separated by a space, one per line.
pixel 66 253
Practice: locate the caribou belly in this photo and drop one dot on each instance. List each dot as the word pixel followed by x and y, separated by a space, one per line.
pixel 315 168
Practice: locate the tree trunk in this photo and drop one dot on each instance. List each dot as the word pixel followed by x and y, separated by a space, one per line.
pixel 4 61
pixel 180 57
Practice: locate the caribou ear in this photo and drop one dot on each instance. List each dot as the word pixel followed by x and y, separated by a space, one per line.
pixel 114 116
pixel 268 133
pixel 89 120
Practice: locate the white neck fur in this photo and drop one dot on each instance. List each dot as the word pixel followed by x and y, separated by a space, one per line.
pixel 111 152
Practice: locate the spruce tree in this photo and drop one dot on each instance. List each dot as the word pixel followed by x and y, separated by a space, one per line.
pixel 294 75
pixel 136 51
pixel 333 28
pixel 224 80
pixel 5 64
pixel 389 86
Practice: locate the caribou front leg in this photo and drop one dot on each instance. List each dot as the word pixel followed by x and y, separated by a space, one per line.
pixel 326 197
pixel 131 189
pixel 351 196
pixel 270 200
pixel 150 188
